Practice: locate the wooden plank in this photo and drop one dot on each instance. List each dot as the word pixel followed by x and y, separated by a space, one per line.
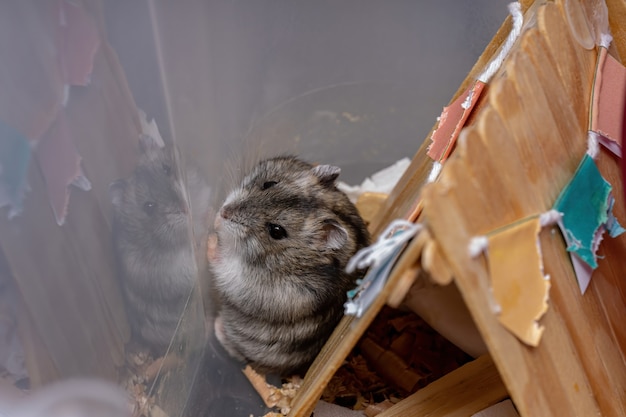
pixel 398 294
pixel 551 84
pixel 435 264
pixel 608 278
pixel 586 325
pixel 617 17
pixel 464 391
pixel 502 409
pixel 568 56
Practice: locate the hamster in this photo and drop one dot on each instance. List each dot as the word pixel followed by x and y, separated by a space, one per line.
pixel 153 243
pixel 284 237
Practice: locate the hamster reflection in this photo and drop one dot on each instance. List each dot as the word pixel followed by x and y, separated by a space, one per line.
pixel 152 241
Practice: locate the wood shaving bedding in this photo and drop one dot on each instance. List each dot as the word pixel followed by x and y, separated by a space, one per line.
pixel 398 355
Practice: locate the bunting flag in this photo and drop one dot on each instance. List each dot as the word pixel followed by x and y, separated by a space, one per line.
pixel 60 166
pixel 77 42
pixel 586 204
pixel 607 101
pixel 452 120
pixel 519 286
pixel 15 155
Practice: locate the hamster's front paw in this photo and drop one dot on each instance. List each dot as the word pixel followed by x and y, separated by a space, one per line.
pixel 211 251
pixel 218 327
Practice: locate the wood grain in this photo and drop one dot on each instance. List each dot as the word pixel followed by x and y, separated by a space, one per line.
pixel 461 393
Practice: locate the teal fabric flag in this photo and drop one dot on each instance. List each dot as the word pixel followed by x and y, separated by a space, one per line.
pixel 586 204
pixel 15 154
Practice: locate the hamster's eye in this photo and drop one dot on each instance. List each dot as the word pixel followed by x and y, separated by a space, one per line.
pixel 276 231
pixel 269 184
pixel 149 207
pixel 167 169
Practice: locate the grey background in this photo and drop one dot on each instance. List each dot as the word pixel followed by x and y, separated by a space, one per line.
pixel 358 83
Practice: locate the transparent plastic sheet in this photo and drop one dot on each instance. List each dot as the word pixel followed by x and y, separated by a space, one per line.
pixel 353 84
pixel 74 397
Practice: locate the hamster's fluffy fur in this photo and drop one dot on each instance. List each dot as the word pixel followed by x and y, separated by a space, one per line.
pixel 285 236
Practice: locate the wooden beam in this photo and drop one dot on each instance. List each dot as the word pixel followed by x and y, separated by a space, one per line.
pixel 461 393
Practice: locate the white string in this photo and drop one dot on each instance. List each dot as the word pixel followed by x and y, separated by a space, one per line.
pixel 435 171
pixel 550 217
pixel 515 9
pixel 605 40
pixel 593 144
pixel 385 245
pixel 351 308
pixel 468 100
pixel 477 246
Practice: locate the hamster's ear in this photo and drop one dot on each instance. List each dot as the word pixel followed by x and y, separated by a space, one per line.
pixel 327 174
pixel 147 143
pixel 116 191
pixel 334 234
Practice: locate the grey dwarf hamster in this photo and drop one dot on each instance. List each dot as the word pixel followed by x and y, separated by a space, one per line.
pixel 153 242
pixel 285 236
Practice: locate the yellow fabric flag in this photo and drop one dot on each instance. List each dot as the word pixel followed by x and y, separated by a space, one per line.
pixel 519 285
